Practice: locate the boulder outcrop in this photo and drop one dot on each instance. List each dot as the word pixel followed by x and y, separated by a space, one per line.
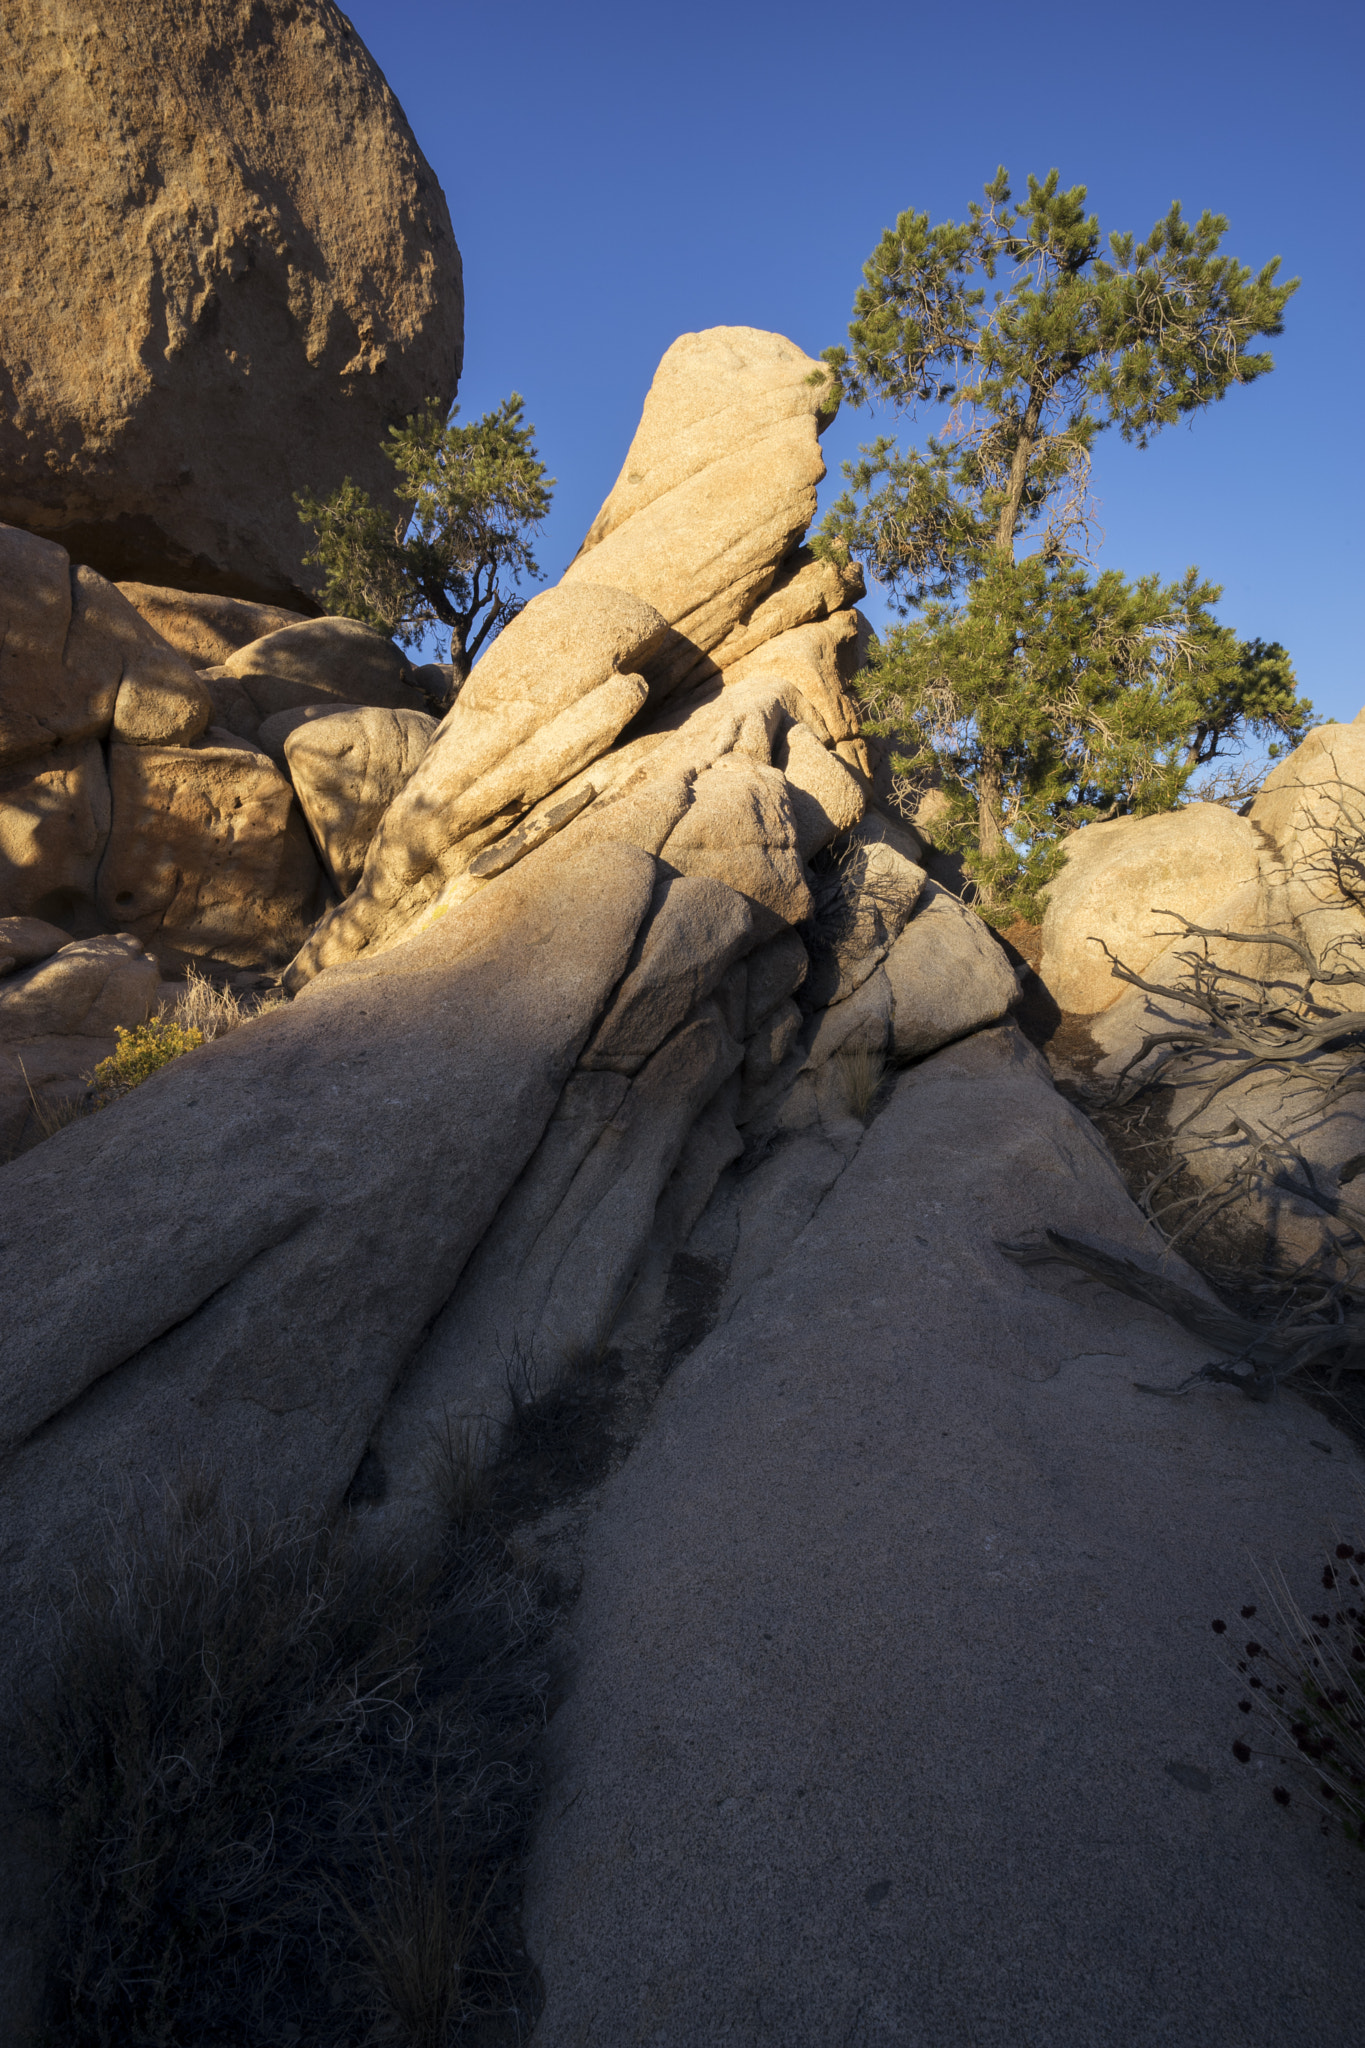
pixel 76 659
pixel 203 626
pixel 716 489
pixel 54 827
pixel 1263 1128
pixel 623 1051
pixel 1118 880
pixel 228 270
pixel 347 767
pixel 88 989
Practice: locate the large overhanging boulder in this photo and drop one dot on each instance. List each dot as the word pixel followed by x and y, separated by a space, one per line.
pixel 227 269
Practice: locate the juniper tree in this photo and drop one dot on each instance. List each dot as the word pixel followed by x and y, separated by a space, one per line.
pixel 471 498
pixel 1079 336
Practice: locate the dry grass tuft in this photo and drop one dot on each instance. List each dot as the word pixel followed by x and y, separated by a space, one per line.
pixel 279 1781
pixel 215 1011
pixel 862 1072
pixel 55 1114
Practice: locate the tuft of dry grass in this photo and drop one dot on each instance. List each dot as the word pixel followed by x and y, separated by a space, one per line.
pixel 862 1072
pixel 278 1780
pixel 214 1012
pixel 54 1115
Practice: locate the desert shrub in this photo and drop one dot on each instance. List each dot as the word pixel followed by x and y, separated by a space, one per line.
pixel 1305 1686
pixel 278 1779
pixel 142 1052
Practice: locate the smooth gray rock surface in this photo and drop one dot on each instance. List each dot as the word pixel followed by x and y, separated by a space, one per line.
pixel 894 1622
pixel 948 976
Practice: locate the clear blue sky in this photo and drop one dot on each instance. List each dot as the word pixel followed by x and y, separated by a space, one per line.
pixel 619 175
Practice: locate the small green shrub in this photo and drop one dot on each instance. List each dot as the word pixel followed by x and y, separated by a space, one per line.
pixel 142 1052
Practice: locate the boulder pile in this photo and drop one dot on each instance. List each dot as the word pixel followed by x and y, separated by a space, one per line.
pixel 625 1023
pixel 1265 914
pixel 634 867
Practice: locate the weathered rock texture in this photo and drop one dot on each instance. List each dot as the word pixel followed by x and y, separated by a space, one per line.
pixel 718 485
pixel 1117 881
pixel 604 1019
pixel 894 1714
pixel 208 852
pixel 347 767
pixel 205 628
pixel 228 268
pixel 76 659
pixel 392 1109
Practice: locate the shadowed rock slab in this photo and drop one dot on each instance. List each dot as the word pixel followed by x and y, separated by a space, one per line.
pixel 895 1714
pixel 54 826
pixel 232 1264
pixel 947 974
pixel 26 939
pixel 89 988
pixel 228 268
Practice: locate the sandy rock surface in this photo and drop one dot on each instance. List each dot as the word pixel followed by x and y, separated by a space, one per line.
pixel 228 269
pixel 895 1712
pixel 347 767
pixel 208 852
pixel 1120 877
pixel 201 625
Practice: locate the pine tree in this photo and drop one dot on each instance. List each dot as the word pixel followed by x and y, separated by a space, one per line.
pixel 471 499
pixel 1071 343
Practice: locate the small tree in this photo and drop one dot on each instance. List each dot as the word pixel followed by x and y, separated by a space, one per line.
pixel 1085 700
pixel 472 497
pixel 1073 343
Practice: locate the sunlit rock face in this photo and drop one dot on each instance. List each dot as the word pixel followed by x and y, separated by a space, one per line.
pixel 226 269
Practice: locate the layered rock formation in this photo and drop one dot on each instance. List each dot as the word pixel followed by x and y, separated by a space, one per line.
pixel 679 743
pixel 228 269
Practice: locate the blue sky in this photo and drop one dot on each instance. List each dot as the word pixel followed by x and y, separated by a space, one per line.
pixel 621 175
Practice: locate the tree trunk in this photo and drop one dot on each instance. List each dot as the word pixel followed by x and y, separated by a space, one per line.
pixel 990 835
pixel 1023 449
